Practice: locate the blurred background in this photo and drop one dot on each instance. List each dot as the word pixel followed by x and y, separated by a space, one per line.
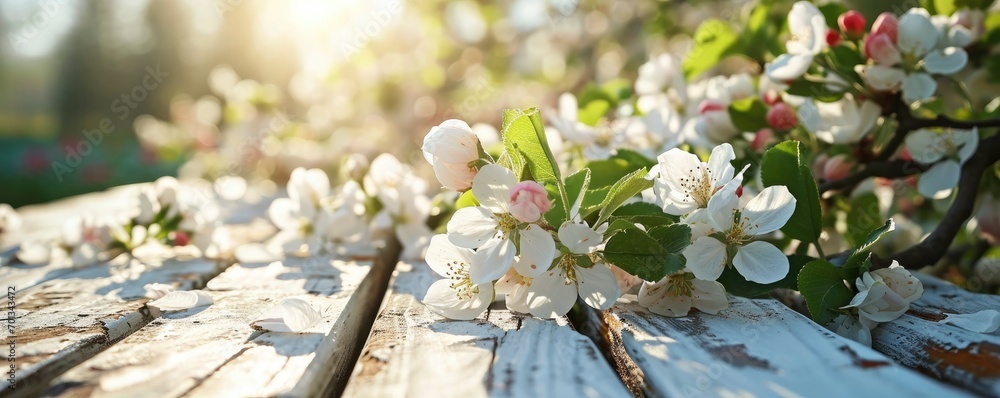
pixel 101 93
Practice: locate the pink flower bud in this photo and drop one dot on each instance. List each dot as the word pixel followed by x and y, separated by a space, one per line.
pixel 782 117
pixel 832 38
pixel 886 23
pixel 881 49
pixel 761 139
pixel 181 238
pixel 837 167
pixel 528 201
pixel 852 23
pixel 771 97
pixel 739 191
pixel 711 105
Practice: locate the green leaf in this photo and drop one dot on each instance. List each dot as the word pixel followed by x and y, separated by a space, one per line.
pixel 738 285
pixel 623 190
pixel 817 90
pixel 832 11
pixel 748 114
pixel 528 149
pixel 713 40
pixel 758 32
pixel 647 214
pixel 786 164
pixel 639 254
pixel 852 267
pixel 525 142
pixel 675 237
pixel 576 189
pixel 863 217
pixel 592 201
pixel 468 199
pixel 845 59
pixel 592 113
pixel 607 172
pixel 824 290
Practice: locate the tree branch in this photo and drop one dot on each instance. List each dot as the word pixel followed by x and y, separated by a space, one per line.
pixel 945 121
pixel 934 247
pixel 887 169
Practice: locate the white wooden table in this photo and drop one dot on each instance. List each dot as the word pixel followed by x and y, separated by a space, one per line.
pixel 88 332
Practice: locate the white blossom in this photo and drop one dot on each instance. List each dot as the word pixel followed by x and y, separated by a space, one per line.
pixel 734 230
pixel 947 151
pixel 492 230
pixel 675 295
pixel 456 296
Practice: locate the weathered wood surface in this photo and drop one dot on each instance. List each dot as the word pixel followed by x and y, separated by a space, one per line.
pixel 67 314
pixel 66 320
pixel 213 351
pixel 754 348
pixel 920 340
pixel 415 353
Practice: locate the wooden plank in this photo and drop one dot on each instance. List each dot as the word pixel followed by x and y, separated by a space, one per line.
pixel 754 348
pixel 64 321
pixel 961 357
pixel 213 351
pixel 414 353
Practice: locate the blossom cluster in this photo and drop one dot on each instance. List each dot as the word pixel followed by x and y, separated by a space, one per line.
pixel 164 213
pixel 730 199
pixel 506 244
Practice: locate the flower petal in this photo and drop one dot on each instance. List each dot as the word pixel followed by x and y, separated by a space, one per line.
pixel 967 141
pixel 924 146
pixel 985 321
pixel 721 207
pixel 492 261
pixel 182 300
pixel 884 78
pixel 537 251
pixel 709 296
pixel 706 258
pixel 849 327
pixel 946 62
pixel 761 262
pixel 292 315
pixel 788 66
pixel 917 35
pixel 470 227
pixel 661 301
pixel 284 213
pixel 770 210
pixel 445 258
pixel 597 286
pixel 443 300
pixel 34 253
pixel 719 163
pixel 938 182
pixel 157 290
pixel 492 187
pixel 579 238
pixel 918 87
pixel 551 295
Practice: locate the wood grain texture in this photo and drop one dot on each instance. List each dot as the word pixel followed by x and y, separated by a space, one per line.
pixel 213 351
pixel 756 348
pixel 415 353
pixel 66 320
pixel 961 357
